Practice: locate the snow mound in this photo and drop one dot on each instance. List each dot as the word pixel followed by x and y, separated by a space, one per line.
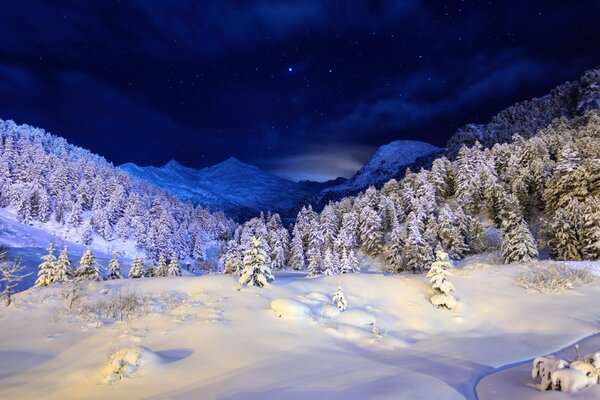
pixel 356 318
pixel 125 362
pixel 288 308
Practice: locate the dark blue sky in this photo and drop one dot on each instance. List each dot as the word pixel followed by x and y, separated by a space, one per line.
pixel 303 88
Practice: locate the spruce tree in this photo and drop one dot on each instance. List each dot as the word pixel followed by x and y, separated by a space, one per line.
pixel 339 299
pixel 88 268
pixel 371 232
pixel 330 263
pixel 256 270
pixel 590 230
pixel 137 268
pixel 232 259
pixel 349 262
pixel 395 249
pixel 114 268
pixel 150 269
pixel 162 269
pixel 297 261
pixel 63 271
pixel 314 253
pixel 517 243
pixel 174 268
pixel 46 273
pixel 417 253
pixel 438 275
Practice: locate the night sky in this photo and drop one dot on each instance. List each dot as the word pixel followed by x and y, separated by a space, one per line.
pixel 306 89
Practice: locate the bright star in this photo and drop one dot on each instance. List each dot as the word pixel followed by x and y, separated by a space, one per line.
pixel 290 69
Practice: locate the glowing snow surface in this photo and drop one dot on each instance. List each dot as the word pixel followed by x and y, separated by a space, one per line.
pixel 212 339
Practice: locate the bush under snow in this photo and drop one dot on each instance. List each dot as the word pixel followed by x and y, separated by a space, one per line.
pixel 555 278
pixel 561 375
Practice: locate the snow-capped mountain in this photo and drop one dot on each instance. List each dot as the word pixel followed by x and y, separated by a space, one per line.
pixel 389 161
pixel 240 190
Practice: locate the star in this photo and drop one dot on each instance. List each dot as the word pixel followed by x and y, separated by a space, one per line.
pixel 290 69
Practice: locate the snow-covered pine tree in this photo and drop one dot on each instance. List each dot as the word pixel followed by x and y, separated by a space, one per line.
pixel 517 243
pixel 297 260
pixel 331 263
pixel 87 235
pixel 162 269
pixel 395 249
pixel 371 232
pixel 62 268
pixel 347 233
pixel 329 224
pixel 46 273
pixel 417 253
pixel 150 269
pixel 231 259
pixel 438 275
pixel 256 270
pixel 590 230
pixel 339 299
pixel 449 234
pixel 137 268
pixel 349 262
pixel 114 268
pixel 566 242
pixel 174 268
pixel 314 253
pixel 88 268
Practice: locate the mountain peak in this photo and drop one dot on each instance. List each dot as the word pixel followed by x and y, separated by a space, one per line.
pixel 173 164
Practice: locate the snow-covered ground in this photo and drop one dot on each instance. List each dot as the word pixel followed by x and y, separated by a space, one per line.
pixel 204 337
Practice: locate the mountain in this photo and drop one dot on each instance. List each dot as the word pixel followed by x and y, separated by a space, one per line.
pixel 389 161
pixel 527 118
pixel 240 190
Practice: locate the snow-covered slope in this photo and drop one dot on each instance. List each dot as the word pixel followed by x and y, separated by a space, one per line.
pixel 389 161
pixel 240 190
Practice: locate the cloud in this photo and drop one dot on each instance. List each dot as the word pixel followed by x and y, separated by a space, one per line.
pixel 321 163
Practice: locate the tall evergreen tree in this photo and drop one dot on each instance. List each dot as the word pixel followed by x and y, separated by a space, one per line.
pixel 46 273
pixel 114 268
pixel 63 271
pixel 137 268
pixel 297 261
pixel 174 268
pixel 162 269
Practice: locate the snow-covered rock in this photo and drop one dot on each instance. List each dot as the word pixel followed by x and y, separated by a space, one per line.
pixel 289 308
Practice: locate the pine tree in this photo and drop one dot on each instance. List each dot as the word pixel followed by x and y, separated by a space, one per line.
pixel 87 235
pixel 232 259
pixel 417 253
pixel 62 270
pixel 88 268
pixel 297 261
pixel 315 250
pixel 150 269
pixel 330 263
pixel 339 299
pixel 565 243
pixel 395 249
pixel 256 270
pixel 517 243
pixel 137 268
pixel 371 232
pixel 46 273
pixel 162 269
pixel 590 230
pixel 449 234
pixel 174 268
pixel 438 275
pixel 349 262
pixel 114 268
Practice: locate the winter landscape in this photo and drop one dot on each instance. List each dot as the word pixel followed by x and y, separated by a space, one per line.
pixel 336 258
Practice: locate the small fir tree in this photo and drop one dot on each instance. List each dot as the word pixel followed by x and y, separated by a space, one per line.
pixel 339 299
pixel 438 275
pixel 256 270
pixel 63 271
pixel 137 268
pixel 162 269
pixel 88 268
pixel 46 273
pixel 174 268
pixel 114 268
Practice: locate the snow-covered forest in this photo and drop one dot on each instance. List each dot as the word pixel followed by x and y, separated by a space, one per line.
pixel 45 179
